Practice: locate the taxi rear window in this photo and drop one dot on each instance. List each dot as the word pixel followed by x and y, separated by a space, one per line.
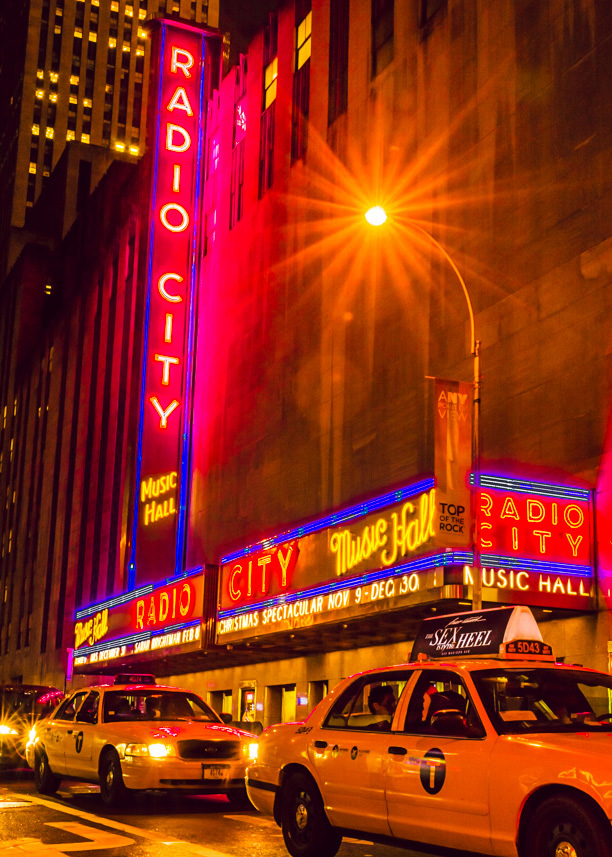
pixel 369 702
pixel 545 700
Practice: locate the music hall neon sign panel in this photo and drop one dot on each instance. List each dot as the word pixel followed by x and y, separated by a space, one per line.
pixel 162 477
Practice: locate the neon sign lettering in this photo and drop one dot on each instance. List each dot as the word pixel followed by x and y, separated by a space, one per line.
pixel 165 606
pixel 407 530
pixel 516 524
pixel 92 630
pixel 253 576
pixel 172 279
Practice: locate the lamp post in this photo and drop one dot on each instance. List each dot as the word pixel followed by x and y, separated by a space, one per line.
pixel 377 216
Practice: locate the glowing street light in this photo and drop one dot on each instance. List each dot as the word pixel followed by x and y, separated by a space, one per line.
pixel 377 216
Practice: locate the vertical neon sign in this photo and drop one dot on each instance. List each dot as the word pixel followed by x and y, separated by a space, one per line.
pixel 162 476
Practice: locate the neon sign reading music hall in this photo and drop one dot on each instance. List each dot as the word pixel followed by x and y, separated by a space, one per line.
pixel 172 279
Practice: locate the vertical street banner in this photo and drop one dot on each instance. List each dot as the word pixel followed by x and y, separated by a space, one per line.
pixel 452 462
pixel 162 473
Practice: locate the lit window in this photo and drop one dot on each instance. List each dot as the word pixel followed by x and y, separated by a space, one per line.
pixel 133 150
pixel 39 93
pixel 78 33
pixel 304 41
pixel 270 79
pixel 32 167
pixel 142 34
pixel 84 138
pixel 35 129
pixel 49 133
pixel 57 30
pixel 139 52
pixel 48 288
pixel 93 37
pixel 40 74
pixel 142 14
pixel 59 11
pixel 126 46
pixel 69 135
pixel 120 147
pixel 72 99
pixel 53 97
pixel 114 6
pixel 95 2
pixel 87 102
pixel 112 43
pixel 53 76
pixel 129 11
pixel 74 79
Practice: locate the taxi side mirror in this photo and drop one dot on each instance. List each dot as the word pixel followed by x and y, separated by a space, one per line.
pixel 225 717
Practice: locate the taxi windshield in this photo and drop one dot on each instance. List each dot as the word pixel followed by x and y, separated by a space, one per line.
pixel 153 704
pixel 545 700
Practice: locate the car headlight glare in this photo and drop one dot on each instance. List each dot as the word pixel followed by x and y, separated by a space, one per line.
pixel 7 730
pixel 32 737
pixel 159 751
pixel 253 749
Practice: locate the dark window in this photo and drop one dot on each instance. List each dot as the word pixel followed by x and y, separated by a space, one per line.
pixel 382 35
pixel 429 9
pixel 266 150
pixel 338 59
pixel 441 705
pixel 70 707
pixel 301 80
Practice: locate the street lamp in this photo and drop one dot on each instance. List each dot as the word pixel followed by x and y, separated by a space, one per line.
pixel 377 216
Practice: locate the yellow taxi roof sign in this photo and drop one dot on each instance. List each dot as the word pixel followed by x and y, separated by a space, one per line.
pixel 510 632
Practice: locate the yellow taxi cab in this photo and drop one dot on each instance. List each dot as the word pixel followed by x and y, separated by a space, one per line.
pixel 482 743
pixel 131 737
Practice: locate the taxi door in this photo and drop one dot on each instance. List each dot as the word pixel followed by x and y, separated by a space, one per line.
pixel 350 755
pixel 79 738
pixel 437 781
pixel 56 732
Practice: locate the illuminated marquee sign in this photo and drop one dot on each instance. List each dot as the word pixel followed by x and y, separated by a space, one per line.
pixel 390 553
pixel 172 272
pixel 167 615
pixel 534 521
pixel 359 542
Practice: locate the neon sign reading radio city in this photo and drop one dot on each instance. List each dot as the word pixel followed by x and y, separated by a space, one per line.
pixel 175 218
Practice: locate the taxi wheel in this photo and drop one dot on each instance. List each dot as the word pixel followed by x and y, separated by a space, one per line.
pixel 562 827
pixel 45 780
pixel 306 829
pixel 112 789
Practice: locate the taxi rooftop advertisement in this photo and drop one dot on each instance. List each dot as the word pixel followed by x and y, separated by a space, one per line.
pixel 535 548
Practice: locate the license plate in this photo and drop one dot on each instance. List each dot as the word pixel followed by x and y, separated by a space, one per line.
pixel 213 772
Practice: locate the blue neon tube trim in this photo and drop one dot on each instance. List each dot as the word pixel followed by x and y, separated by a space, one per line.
pixel 134 593
pixel 133 638
pixel 498 561
pixel 436 560
pixel 524 486
pixel 357 511
pixel 132 563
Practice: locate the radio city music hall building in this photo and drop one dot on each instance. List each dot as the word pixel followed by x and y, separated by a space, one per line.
pixel 237 451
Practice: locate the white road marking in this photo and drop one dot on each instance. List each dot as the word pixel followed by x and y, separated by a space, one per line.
pixel 186 847
pixel 94 841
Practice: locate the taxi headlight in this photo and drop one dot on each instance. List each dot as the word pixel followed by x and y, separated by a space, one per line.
pixel 160 751
pixel 253 750
pixel 7 730
pixel 155 751
pixel 32 737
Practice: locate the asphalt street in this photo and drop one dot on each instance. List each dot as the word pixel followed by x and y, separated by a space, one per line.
pixel 74 822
